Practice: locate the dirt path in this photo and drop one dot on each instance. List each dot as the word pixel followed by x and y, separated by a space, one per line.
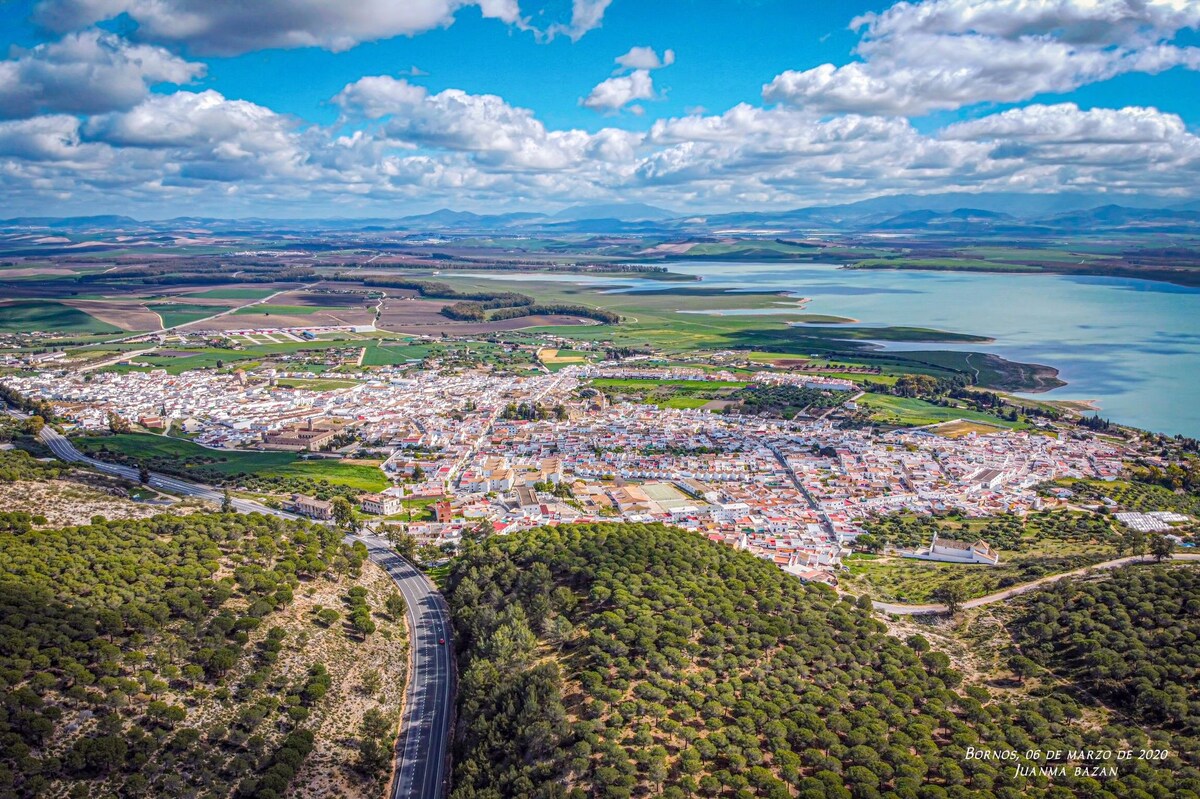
pixel 1016 590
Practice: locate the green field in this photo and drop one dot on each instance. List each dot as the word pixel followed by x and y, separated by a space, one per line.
pixel 683 402
pixel 910 412
pixel 48 316
pixel 174 314
pixel 234 294
pixel 315 385
pixel 390 354
pixel 193 457
pixel 281 310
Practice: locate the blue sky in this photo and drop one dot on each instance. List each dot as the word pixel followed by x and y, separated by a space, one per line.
pixel 308 107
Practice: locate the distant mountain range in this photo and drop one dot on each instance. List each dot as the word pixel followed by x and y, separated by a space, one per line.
pixel 954 213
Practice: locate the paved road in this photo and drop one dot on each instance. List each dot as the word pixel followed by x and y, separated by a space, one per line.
pixel 422 752
pixel 1017 590
pixel 66 451
pixel 422 762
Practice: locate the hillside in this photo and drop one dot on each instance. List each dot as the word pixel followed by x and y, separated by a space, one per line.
pixel 208 655
pixel 620 660
pixel 1132 639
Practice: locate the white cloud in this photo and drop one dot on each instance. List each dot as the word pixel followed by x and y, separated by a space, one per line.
pixel 632 82
pixel 586 15
pixel 645 58
pixel 225 28
pixel 86 72
pixel 944 54
pixel 398 142
pixel 612 94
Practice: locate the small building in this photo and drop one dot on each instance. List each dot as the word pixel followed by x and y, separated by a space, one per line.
pixel 152 422
pixel 442 511
pixel 312 507
pixel 949 550
pixel 380 504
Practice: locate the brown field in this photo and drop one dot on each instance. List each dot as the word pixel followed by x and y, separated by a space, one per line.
pixel 127 315
pixel 424 318
pixel 960 428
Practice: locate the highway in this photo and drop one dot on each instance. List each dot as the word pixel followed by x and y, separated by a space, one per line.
pixel 422 753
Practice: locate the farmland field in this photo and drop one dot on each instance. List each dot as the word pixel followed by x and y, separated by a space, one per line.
pixel 192 457
pixel 29 316
pixel 910 412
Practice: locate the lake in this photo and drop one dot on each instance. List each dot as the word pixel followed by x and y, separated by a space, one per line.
pixel 1131 345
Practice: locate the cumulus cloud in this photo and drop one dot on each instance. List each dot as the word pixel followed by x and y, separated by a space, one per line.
pixel 398 141
pixel 632 81
pixel 943 54
pixel 586 15
pixel 87 72
pixel 228 28
pixel 484 125
pixel 644 58
pixel 612 94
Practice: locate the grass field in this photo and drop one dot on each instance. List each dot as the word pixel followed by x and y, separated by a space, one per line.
pixel 233 462
pixel 315 385
pixel 48 316
pixel 909 412
pixel 281 310
pixel 683 402
pixel 174 314
pixel 234 294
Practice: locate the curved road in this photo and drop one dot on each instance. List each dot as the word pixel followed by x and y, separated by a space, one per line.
pixel 422 761
pixel 423 748
pixel 1017 590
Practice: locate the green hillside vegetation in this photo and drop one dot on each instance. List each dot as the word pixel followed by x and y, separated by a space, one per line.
pixel 143 658
pixel 1132 639
pixel 1038 545
pixel 620 660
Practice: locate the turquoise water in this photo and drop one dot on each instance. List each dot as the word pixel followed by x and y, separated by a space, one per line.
pixel 1131 345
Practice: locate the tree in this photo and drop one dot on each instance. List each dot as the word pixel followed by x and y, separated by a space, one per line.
pixel 116 424
pixel 396 606
pixel 1161 547
pixel 1023 667
pixel 1134 542
pixel 405 544
pixel 226 502
pixel 951 595
pixel 143 474
pixel 371 682
pixel 480 532
pixel 343 514
pixel 418 474
pixel 33 425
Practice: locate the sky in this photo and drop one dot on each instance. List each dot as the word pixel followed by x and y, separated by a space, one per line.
pixel 327 108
